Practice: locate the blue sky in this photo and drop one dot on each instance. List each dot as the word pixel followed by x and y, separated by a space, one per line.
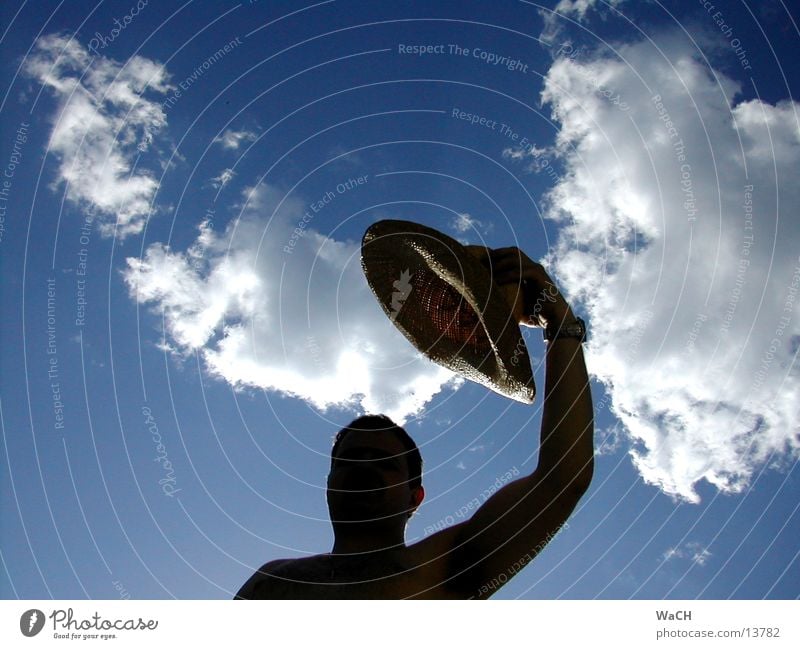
pixel 186 325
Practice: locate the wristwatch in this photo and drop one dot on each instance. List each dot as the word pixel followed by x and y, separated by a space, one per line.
pixel 574 329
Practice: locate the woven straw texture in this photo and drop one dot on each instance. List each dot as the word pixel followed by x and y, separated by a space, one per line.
pixel 443 299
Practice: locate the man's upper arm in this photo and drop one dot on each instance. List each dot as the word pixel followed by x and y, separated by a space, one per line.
pixel 508 530
pixel 478 555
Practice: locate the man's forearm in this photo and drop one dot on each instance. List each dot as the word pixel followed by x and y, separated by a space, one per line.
pixel 566 449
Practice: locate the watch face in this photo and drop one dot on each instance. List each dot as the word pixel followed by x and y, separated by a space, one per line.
pixel 575 329
pixel 578 329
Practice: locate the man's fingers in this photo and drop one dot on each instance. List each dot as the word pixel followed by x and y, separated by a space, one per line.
pixel 510 265
pixel 507 277
pixel 507 255
pixel 542 298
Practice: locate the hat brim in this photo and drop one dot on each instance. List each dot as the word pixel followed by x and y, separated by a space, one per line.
pixel 446 303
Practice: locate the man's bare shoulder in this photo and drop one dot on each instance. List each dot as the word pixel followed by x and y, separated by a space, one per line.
pixel 273 572
pixel 421 570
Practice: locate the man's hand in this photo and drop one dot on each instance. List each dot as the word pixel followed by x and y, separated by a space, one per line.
pixel 544 303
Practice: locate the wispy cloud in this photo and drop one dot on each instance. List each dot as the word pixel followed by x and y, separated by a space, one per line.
pixel 571 9
pixel 678 237
pixel 464 222
pixel 693 551
pixel 609 440
pixel 303 324
pixel 103 124
pixel 232 140
pixel 223 179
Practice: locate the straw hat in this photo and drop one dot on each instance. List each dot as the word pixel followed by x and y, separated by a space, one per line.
pixel 444 300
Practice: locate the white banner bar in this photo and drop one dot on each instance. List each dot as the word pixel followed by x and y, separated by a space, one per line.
pixel 399 625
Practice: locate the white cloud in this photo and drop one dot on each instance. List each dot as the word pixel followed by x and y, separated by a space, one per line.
pixel 578 8
pixel 231 139
pixel 574 10
pixel 302 323
pixel 537 155
pixel 103 124
pixel 694 325
pixel 692 550
pixel 608 440
pixel 463 222
pixel 223 179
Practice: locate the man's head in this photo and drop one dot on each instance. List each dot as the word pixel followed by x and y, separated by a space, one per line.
pixel 376 471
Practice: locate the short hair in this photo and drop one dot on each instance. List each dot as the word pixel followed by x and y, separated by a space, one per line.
pixel 382 424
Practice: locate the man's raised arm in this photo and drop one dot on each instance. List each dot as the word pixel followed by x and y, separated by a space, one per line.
pixel 519 520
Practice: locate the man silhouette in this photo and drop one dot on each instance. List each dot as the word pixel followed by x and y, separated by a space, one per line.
pixel 374 487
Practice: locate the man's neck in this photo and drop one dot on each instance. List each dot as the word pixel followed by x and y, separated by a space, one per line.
pixel 350 542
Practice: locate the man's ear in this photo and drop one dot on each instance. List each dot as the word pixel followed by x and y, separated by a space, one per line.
pixel 417 496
